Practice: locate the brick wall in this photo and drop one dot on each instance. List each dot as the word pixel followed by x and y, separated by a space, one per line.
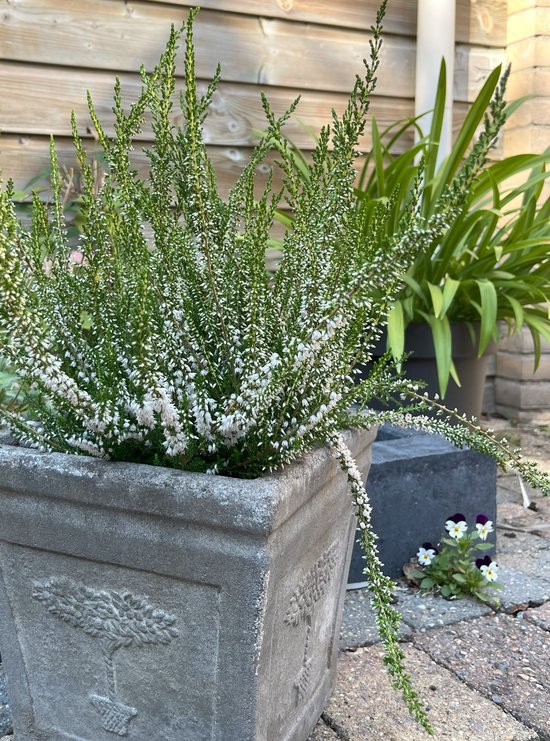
pixel 528 50
pixel 520 392
pixel 517 391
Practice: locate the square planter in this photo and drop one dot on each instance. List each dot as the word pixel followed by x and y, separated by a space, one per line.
pixel 151 603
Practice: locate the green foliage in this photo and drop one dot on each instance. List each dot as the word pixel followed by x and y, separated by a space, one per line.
pixel 10 390
pixel 453 572
pixel 493 262
pixel 161 338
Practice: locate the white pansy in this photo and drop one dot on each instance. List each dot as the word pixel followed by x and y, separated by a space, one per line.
pixel 490 572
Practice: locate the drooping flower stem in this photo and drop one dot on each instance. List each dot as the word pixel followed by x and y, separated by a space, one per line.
pixel 379 585
pixel 468 432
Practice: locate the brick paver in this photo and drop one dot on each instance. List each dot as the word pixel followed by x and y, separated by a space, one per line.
pixel 505 658
pixel 369 710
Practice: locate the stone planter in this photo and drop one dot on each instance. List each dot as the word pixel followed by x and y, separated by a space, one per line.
pixel 150 603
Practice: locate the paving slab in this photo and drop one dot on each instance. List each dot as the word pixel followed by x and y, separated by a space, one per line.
pixel 509 493
pixel 509 489
pixel 533 562
pixel 535 521
pixel 539 616
pixel 5 715
pixel 509 541
pixel 369 710
pixel 505 659
pixel 523 554
pixel 520 589
pixel 358 625
pixel 423 611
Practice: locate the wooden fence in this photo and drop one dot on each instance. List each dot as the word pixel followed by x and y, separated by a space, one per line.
pixel 52 51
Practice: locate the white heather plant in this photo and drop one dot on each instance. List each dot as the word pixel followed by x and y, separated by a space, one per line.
pixel 162 338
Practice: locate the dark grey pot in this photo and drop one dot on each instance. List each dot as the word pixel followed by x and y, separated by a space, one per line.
pixel 421 365
pixel 416 482
pixel 471 370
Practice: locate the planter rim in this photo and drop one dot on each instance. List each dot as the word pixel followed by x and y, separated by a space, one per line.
pixel 257 506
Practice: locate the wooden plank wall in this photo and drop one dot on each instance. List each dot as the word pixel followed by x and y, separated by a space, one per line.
pixel 52 51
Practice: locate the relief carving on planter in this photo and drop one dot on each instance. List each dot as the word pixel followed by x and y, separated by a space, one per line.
pixel 117 620
pixel 305 596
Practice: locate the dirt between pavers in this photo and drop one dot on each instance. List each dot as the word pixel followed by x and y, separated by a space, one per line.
pixel 540 616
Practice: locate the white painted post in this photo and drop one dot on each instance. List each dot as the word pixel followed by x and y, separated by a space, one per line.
pixel 435 38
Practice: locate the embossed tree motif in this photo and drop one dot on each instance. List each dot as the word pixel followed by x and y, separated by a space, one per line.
pixel 305 596
pixel 117 620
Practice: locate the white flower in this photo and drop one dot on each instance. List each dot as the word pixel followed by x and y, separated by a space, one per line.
pixel 484 526
pixel 490 572
pixel 425 556
pixel 456 526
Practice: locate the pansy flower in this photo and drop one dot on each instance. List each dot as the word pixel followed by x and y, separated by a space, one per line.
pixel 426 554
pixel 484 526
pixel 456 525
pixel 488 568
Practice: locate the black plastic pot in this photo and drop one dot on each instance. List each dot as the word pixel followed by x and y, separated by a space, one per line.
pixel 421 365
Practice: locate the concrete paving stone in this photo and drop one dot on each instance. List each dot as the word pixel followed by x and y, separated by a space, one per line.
pixel 509 541
pixel 520 589
pixel 5 714
pixel 369 710
pixel 509 489
pixel 358 625
pixel 534 562
pixel 539 616
pixel 423 611
pixel 321 732
pixel 505 659
pixel 535 522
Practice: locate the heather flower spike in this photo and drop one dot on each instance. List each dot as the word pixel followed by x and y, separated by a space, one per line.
pixel 456 526
pixel 484 526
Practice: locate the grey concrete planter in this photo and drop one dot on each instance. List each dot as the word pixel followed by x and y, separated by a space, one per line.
pixel 150 603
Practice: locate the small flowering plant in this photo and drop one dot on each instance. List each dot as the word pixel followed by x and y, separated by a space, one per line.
pixel 452 569
pixel 161 338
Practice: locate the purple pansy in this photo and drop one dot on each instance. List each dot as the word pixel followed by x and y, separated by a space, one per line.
pixel 488 568
pixel 485 561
